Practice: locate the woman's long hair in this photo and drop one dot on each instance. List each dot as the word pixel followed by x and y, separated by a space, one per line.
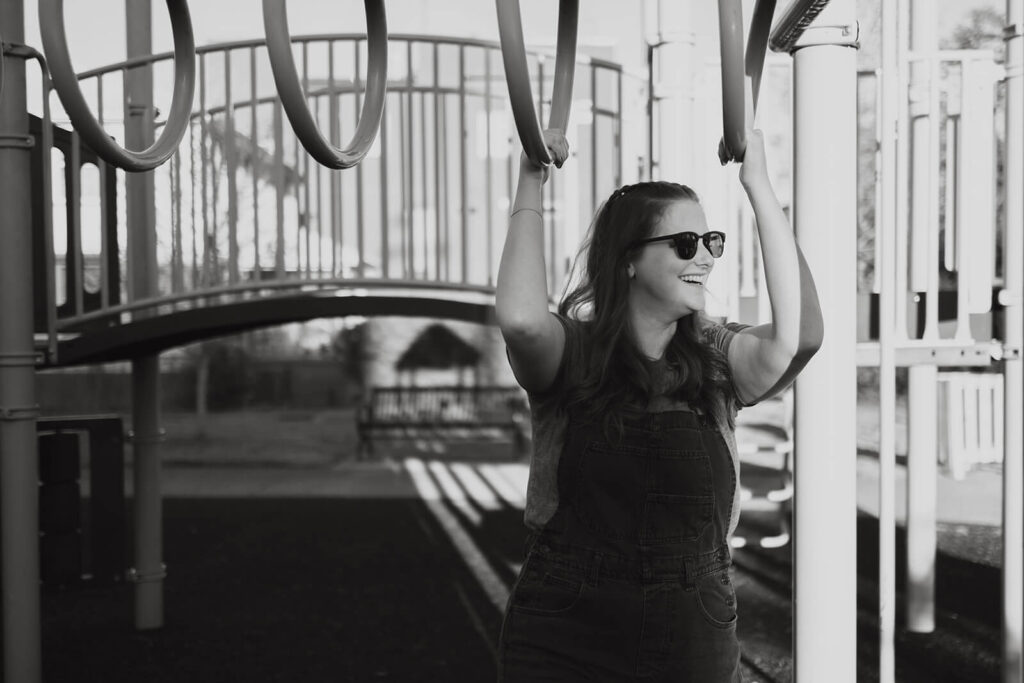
pixel 618 382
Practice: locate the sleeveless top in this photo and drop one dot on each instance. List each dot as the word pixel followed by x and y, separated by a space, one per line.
pixel 550 420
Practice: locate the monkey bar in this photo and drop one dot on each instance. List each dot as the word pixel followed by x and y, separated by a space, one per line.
pixel 279 47
pixel 65 81
pixel 513 52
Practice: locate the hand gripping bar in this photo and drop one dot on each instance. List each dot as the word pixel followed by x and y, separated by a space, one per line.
pixel 65 82
pixel 286 76
pixel 517 75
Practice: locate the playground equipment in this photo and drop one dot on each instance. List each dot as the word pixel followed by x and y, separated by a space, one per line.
pixel 513 52
pixel 55 44
pixel 323 262
pixel 279 48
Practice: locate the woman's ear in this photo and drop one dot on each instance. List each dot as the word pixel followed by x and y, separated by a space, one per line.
pixel 631 271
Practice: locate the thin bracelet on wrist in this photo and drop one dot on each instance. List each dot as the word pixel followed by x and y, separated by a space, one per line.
pixel 526 208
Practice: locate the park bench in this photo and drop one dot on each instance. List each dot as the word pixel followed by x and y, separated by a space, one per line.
pixel 442 412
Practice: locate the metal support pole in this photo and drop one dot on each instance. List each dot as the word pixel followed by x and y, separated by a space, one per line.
pixel 19 497
pixel 825 201
pixel 1013 439
pixel 890 225
pixel 148 571
pixel 922 401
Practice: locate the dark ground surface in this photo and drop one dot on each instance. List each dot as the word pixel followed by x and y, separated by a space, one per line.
pixel 351 587
pixel 364 590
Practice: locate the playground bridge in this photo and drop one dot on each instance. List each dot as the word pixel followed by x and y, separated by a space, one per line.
pixel 251 231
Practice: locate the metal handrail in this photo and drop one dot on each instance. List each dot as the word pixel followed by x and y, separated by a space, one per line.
pixel 335 284
pixel 517 75
pixel 286 76
pixel 54 37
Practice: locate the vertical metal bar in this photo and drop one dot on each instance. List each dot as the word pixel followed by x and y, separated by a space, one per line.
pixel 105 178
pixel 334 177
pixel 300 158
pixel 177 259
pixel 193 203
pixel 922 400
pixel 205 277
pixel 74 257
pixel 424 202
pixel 489 174
pixel 442 133
pixel 463 191
pixel 279 190
pixel 410 165
pixel 902 168
pixel 149 571
pixel 618 129
pixel 385 219
pixel 825 165
pixel 231 158
pixel 254 153
pixel 319 216
pixel 360 210
pixel 19 500
pixel 593 136
pixel 437 165
pixel 47 166
pixel 1013 405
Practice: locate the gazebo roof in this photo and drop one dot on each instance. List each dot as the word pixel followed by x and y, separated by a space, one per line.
pixel 438 347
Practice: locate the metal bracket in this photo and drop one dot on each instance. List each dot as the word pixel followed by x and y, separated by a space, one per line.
pixel 18 413
pixel 135 576
pixel 843 35
pixel 1011 31
pixel 17 141
pixel 20 51
pixel 1010 353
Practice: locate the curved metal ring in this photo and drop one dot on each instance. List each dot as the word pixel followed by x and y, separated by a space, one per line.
pixel 517 75
pixel 730 19
pixel 286 76
pixel 730 41
pixel 65 82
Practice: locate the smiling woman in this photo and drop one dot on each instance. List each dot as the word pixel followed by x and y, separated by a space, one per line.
pixel 634 394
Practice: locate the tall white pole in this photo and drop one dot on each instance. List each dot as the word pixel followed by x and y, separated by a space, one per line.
pixel 1013 461
pixel 824 215
pixel 922 401
pixel 890 223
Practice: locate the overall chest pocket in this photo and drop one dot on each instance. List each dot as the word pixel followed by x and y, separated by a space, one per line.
pixel 679 500
pixel 644 495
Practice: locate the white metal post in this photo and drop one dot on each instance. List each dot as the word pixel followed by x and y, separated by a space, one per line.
pixel 148 572
pixel 891 297
pixel 922 401
pixel 1013 460
pixel 19 498
pixel 824 215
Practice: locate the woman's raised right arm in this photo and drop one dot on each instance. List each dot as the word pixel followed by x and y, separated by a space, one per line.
pixel 534 336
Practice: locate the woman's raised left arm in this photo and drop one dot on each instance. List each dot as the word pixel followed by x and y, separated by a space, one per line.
pixel 767 358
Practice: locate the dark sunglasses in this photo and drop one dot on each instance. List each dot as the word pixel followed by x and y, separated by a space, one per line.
pixel 686 243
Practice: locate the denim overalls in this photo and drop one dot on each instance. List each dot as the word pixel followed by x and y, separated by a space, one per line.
pixel 630 578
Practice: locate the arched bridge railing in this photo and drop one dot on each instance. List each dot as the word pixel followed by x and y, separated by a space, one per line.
pixel 242 210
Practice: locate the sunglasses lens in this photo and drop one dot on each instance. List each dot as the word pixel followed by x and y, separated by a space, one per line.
pixel 686 244
pixel 715 242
